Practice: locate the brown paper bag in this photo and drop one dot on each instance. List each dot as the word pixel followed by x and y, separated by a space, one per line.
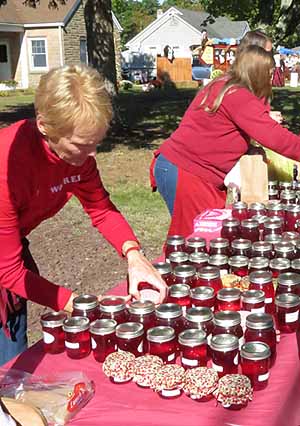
pixel 254 179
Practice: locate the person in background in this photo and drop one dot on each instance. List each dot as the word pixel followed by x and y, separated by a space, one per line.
pixel 190 166
pixel 43 163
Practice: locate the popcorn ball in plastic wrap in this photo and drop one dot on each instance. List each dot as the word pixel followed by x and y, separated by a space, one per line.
pixel 168 381
pixel 234 391
pixel 145 369
pixel 119 366
pixel 200 383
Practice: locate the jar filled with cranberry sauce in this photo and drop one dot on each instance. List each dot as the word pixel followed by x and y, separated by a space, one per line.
pixel 285 186
pixel 103 338
pixel 288 197
pixel 203 296
pixel 240 210
pixel 225 354
pixel 255 361
pixel 162 342
pixel 256 209
pixel 287 307
pixel 201 318
pixel 113 307
pixel 220 261
pixel 262 249
pixel 53 334
pixel 288 282
pixel 193 348
pixel 219 246
pixel 77 337
pixel 273 194
pixel 250 230
pixel 195 245
pixel 274 225
pixel 170 314
pixel 174 243
pixel 198 260
pixel 86 306
pixel 262 280
pixel 228 322
pixel 130 337
pixel 180 294
pixel 273 184
pixel 185 274
pixel 238 265
pixel 276 210
pixel 210 276
pixel 285 249
pixel 258 264
pixel 241 247
pixel 230 229
pixel 228 299
pixel 253 301
pixel 292 214
pixel 142 312
pixel 165 271
pixel 279 266
pixel 178 258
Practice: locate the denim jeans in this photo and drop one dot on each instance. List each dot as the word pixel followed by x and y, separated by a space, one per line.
pixel 166 175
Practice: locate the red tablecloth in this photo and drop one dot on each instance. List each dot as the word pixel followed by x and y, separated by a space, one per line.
pixel 128 405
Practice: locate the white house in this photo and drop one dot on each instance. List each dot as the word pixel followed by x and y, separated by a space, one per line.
pixel 179 29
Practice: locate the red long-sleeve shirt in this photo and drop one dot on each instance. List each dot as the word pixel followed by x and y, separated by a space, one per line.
pixel 34 185
pixel 208 145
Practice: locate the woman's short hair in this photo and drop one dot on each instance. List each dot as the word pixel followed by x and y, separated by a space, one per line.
pixel 252 70
pixel 256 37
pixel 72 96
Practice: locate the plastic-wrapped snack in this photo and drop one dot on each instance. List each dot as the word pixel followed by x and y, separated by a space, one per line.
pixel 145 369
pixel 230 280
pixel 168 381
pixel 200 383
pixel 244 283
pixel 119 366
pixel 234 391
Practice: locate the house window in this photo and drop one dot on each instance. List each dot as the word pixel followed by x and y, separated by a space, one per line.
pixel 38 53
pixel 83 51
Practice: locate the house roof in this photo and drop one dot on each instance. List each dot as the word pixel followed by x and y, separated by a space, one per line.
pixel 14 12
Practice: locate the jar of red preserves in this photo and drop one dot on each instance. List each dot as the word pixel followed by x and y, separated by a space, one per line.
pixel 273 194
pixel 292 214
pixel 174 243
pixel 170 314
pixel 219 246
pixel 262 249
pixel 142 312
pixel 287 312
pixel 180 294
pixel 201 318
pixel 86 306
pixel 185 274
pixel 288 282
pixel 230 229
pixel 255 360
pixel 240 210
pixel 279 266
pixel 162 342
pixel 241 247
pixel 228 322
pixel 195 245
pixel 273 184
pixel 225 354
pixel 53 334
pixel 165 271
pixel 178 258
pixel 285 186
pixel 273 225
pixel 258 264
pixel 250 230
pixel 103 338
pixel 276 210
pixel 238 265
pixel 288 197
pixel 193 348
pixel 203 296
pixel 253 301
pixel 209 276
pixel 221 262
pixel 262 280
pixel 285 249
pixel 198 260
pixel 228 299
pixel 295 266
pixel 113 307
pixel 77 337
pixel 260 328
pixel 256 209
pixel 130 337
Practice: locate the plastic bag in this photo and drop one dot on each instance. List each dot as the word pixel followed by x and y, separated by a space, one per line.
pixel 59 396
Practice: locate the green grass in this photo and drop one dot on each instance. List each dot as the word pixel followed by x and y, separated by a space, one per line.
pixel 15 99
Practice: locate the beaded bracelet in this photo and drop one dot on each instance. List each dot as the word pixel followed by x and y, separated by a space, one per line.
pixel 137 248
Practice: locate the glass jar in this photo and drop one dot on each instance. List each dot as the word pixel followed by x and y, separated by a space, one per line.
pixel 279 266
pixel 228 322
pixel 174 243
pixel 230 229
pixel 291 236
pixel 225 354
pixel 285 186
pixel 180 294
pixel 295 266
pixel 53 334
pixel 273 225
pixel 273 184
pixel 198 260
pixel 238 265
pixel 256 209
pixel 258 264
pixel 228 299
pixel 142 312
pixel 178 258
pixel 297 249
pixel 262 280
pixel 253 301
pixel 113 307
pixel 240 210
pixel 241 247
pixel 255 360
pixel 103 338
pixel 221 262
pixel 130 337
pixel 261 219
pixel 260 328
pixel 276 210
pixel 162 342
pixel 250 230
pixel 273 194
pixel 262 249
pixel 288 197
pixel 185 274
pixel 195 245
pixel 77 337
pixel 210 276
pixel 86 306
pixel 170 314
pixel 193 348
pixel 165 271
pixel 292 214
pixel 273 239
pixel 219 246
pixel 288 282
pixel 201 318
pixel 203 296
pixel 287 312
pixel 285 249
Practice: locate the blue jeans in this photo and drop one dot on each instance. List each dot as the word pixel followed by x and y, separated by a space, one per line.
pixel 166 175
pixel 17 343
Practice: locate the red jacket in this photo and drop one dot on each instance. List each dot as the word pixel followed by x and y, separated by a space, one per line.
pixel 34 185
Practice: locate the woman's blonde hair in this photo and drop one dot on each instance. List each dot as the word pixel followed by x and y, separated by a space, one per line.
pixel 252 69
pixel 72 96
